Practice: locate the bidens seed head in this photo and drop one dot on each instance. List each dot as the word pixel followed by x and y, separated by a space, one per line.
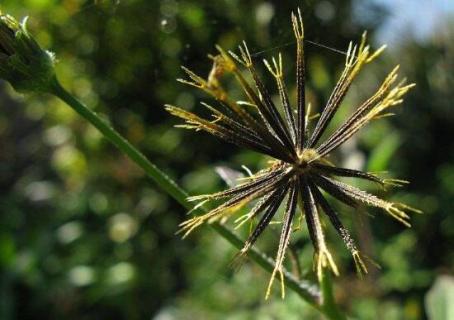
pixel 299 177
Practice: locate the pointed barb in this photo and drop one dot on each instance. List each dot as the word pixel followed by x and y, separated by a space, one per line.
pixel 298 26
pixel 360 266
pixel 323 259
pixel 376 54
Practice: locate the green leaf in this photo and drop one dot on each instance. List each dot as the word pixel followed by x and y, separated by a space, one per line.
pixel 381 155
pixel 439 300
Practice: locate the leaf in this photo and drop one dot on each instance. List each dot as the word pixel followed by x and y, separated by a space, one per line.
pixel 230 176
pixel 439 301
pixel 382 154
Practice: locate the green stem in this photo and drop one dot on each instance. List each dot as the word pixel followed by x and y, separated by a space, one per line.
pixel 304 289
pixel 329 305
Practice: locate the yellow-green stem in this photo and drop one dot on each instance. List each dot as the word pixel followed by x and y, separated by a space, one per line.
pixel 329 306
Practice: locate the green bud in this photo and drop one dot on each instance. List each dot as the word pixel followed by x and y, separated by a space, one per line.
pixel 23 62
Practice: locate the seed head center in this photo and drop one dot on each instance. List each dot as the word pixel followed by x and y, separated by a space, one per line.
pixel 305 158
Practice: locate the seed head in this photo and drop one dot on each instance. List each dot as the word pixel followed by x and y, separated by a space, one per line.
pixel 299 174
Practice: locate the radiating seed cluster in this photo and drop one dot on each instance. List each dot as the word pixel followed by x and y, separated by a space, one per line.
pixel 300 174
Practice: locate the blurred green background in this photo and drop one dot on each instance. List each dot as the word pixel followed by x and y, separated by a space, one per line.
pixel 85 235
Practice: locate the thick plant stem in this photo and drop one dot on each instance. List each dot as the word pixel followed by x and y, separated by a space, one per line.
pixel 329 306
pixel 307 291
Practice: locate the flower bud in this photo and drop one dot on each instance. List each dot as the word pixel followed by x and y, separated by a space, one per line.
pixel 23 62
